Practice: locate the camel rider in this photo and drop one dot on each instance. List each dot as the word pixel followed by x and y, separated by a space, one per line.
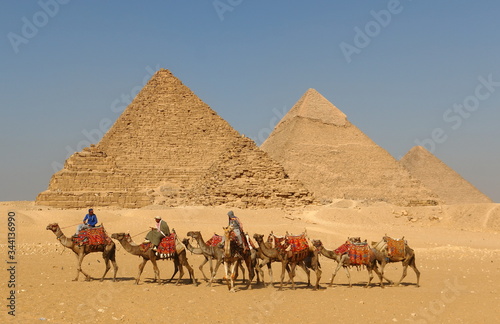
pixel 235 223
pixel 158 233
pixel 89 221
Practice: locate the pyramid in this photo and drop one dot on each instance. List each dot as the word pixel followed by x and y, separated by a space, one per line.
pixel 440 178
pixel 162 145
pixel 231 182
pixel 316 144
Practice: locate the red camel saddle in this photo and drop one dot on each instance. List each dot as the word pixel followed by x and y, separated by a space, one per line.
pixel 395 248
pixel 92 236
pixel 214 240
pixel 360 254
pixel 166 248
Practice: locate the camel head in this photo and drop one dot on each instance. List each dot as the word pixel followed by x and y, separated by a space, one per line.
pixel 53 227
pixel 317 244
pixel 118 236
pixel 185 241
pixel 354 239
pixel 194 234
pixel 227 230
pixel 258 237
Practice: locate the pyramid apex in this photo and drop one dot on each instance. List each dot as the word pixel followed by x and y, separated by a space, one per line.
pixel 313 105
pixel 418 150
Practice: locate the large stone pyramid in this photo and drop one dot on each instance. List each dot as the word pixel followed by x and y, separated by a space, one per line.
pixel 440 178
pixel 317 145
pixel 164 143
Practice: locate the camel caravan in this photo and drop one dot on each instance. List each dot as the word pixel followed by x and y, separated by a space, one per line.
pixel 236 251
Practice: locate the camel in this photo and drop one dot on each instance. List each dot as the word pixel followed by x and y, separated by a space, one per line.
pixel 232 258
pixel 308 260
pixel 210 253
pixel 180 259
pixel 344 261
pixel 108 252
pixel 268 260
pixel 407 260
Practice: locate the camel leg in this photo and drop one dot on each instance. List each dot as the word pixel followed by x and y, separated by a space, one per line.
pixel 203 264
pixel 176 269
pixel 156 270
pixel 318 277
pixel 405 270
pixel 214 273
pixel 382 267
pixel 240 266
pixel 292 274
pixel 375 268
pixel 316 267
pixel 108 266
pixel 270 270
pixel 261 273
pixel 181 270
pixel 284 266
pixel 339 265
pixel 190 270
pixel 141 267
pixel 251 272
pixel 112 257
pixel 370 276
pixel 234 267
pixel 226 275
pixel 413 265
pixel 79 268
pixel 308 273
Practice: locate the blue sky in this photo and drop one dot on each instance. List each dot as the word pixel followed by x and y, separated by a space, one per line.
pixel 405 72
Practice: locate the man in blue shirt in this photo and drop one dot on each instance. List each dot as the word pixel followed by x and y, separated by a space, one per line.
pixel 90 220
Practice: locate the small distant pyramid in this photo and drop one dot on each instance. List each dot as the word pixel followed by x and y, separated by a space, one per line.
pixel 440 178
pixel 162 146
pixel 317 145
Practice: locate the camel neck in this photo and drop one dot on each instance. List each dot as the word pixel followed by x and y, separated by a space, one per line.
pixel 65 241
pixel 268 251
pixel 227 244
pixel 205 248
pixel 192 249
pixel 133 249
pixel 328 253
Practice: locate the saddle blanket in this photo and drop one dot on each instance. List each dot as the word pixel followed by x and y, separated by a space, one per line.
pixel 395 248
pixel 360 254
pixel 92 236
pixel 277 242
pixel 214 240
pixel 167 246
pixel 145 246
pixel 297 243
pixel 343 249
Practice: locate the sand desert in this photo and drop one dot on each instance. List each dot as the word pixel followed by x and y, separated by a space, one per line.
pixel 457 251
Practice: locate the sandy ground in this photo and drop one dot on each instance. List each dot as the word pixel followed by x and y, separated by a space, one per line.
pixel 457 249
